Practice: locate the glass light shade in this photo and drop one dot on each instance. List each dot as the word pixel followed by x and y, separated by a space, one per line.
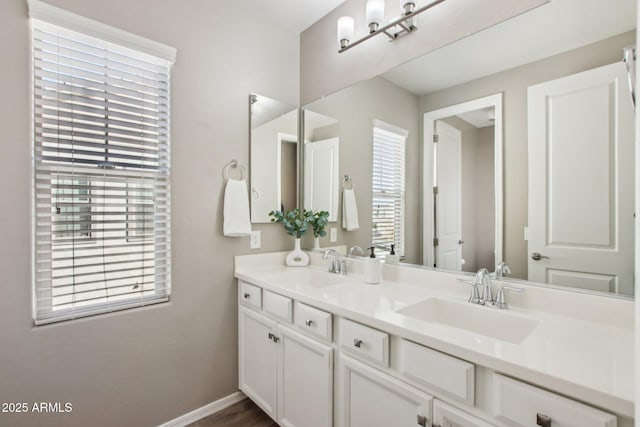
pixel 375 11
pixel 345 28
pixel 407 6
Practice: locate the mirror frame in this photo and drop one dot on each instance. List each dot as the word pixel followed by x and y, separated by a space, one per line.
pixel 429 120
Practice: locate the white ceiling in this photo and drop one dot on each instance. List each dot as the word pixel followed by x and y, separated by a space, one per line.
pixel 295 15
pixel 553 28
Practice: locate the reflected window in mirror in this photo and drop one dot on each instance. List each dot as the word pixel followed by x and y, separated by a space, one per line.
pixel 388 187
pixel 274 156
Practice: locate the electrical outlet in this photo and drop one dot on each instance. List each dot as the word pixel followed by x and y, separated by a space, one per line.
pixel 255 239
pixel 333 235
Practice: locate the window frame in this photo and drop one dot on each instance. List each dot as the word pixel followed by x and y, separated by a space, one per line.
pixel 97 177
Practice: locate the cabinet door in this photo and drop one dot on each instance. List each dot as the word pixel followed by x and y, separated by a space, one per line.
pixel 257 353
pixel 448 416
pixel 372 398
pixel 305 397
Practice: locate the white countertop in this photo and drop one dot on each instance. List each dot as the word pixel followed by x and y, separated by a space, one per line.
pixel 587 357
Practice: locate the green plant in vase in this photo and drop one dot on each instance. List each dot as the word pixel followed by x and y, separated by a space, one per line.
pixel 319 221
pixel 295 222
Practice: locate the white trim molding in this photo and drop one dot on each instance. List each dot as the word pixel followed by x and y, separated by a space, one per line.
pixel 206 410
pixel 60 17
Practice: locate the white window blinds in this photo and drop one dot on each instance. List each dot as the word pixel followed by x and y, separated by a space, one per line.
pixel 388 186
pixel 101 164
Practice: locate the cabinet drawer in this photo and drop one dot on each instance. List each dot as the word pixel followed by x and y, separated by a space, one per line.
pixel 448 416
pixel 520 404
pixel 311 320
pixel 250 295
pixel 439 371
pixel 366 342
pixel 277 306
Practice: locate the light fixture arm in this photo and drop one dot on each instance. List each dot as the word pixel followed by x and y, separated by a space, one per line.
pixel 403 22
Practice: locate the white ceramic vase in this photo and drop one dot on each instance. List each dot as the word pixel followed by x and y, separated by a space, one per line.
pixel 316 243
pixel 297 257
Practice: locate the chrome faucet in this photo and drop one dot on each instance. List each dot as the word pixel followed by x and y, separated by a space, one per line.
pixel 338 264
pixel 354 249
pixel 483 279
pixel 502 270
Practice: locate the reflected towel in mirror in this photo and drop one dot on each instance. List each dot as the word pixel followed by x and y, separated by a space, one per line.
pixel 236 209
pixel 349 210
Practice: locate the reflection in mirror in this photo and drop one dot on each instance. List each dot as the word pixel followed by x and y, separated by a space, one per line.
pixel 274 156
pixel 464 209
pixel 589 201
pixel 321 163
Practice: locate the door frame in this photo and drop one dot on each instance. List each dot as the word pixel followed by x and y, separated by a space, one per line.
pixel 429 120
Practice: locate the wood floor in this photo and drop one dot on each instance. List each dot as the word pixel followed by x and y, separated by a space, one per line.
pixel 243 414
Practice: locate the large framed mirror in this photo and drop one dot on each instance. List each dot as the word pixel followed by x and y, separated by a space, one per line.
pixel 274 156
pixel 589 203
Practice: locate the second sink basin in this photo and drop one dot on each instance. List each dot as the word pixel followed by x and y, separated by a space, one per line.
pixel 490 322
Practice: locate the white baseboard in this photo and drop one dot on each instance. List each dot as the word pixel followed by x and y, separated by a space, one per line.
pixel 205 410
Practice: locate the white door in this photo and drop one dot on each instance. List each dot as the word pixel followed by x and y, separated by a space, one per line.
pixel 321 176
pixel 447 416
pixel 581 174
pixel 257 359
pixel 306 383
pixel 370 398
pixel 449 197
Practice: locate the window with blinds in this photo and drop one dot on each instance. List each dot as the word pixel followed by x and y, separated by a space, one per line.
pixel 388 186
pixel 101 165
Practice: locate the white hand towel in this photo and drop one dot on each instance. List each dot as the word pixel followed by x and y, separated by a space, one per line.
pixel 349 210
pixel 236 209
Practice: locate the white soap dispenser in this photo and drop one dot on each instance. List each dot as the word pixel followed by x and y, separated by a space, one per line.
pixel 372 269
pixel 392 258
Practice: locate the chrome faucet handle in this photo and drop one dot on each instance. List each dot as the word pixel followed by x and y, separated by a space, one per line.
pixel 474 298
pixel 501 301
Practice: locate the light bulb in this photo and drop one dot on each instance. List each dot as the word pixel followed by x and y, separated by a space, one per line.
pixel 345 30
pixel 374 14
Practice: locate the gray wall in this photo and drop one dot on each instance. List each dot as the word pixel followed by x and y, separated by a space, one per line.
pixel 143 367
pixel 356 107
pixel 513 84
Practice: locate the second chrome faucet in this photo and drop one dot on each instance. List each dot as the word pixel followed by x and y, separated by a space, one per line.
pixel 481 287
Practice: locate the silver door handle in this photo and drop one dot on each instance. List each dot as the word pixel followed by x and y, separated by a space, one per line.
pixel 460 242
pixel 537 257
pixel 357 342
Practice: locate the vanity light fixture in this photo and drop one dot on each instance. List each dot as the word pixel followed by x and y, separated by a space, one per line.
pixel 404 24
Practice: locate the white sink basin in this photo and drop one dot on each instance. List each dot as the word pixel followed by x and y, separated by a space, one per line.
pixel 490 322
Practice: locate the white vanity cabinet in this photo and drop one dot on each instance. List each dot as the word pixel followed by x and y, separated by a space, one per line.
pixel 368 397
pixel 258 359
pixel 289 375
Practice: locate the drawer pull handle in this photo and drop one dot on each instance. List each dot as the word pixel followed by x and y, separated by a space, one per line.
pixel 247 295
pixel 357 342
pixel 308 322
pixel 422 420
pixel 543 420
pixel 273 338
